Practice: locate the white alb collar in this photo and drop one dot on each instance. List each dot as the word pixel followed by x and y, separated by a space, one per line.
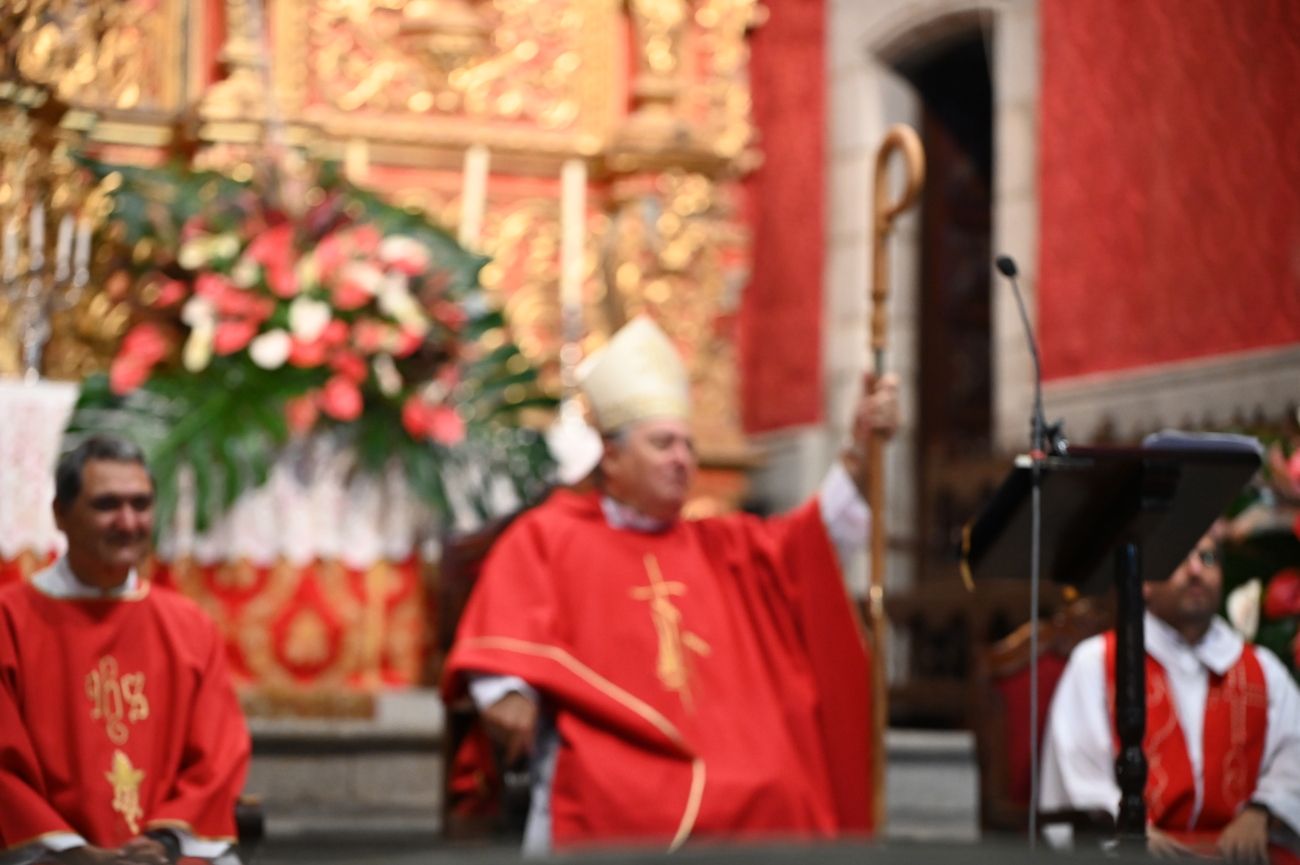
pixel 59 581
pixel 1217 651
pixel 622 516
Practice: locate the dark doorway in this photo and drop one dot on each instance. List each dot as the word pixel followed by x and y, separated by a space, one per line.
pixel 954 431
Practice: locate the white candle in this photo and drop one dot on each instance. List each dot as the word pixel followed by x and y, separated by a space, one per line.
pixel 36 231
pixel 473 196
pixel 356 160
pixel 11 249
pixel 63 247
pixel 81 257
pixel 573 223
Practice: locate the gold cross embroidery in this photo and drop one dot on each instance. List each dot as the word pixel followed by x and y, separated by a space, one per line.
pixel 125 780
pixel 673 664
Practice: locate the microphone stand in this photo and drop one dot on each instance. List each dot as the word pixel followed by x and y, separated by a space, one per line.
pixel 1038 439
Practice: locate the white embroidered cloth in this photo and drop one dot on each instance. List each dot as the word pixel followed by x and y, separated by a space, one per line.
pixel 32 418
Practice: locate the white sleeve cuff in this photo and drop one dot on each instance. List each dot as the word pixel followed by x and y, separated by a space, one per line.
pixel 846 515
pixel 57 842
pixel 200 848
pixel 487 689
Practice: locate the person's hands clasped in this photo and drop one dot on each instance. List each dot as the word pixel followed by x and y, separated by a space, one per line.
pixel 512 723
pixel 1245 839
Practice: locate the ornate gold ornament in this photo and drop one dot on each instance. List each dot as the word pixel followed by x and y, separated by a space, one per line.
pixel 125 780
pixel 673 663
pixel 116 699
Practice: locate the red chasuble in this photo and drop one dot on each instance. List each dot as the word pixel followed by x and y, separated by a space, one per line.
pixel 115 717
pixel 708 681
pixel 1236 722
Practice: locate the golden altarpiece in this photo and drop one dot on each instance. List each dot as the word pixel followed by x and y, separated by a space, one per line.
pixel 649 97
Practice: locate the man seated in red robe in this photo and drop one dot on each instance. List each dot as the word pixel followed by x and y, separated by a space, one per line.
pixel 121 740
pixel 675 679
pixel 1222 729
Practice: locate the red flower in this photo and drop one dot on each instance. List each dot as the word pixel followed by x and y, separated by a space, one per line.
pixel 416 417
pixel 449 315
pixel 365 239
pixel 232 335
pixel 305 355
pixel 170 293
pixel 369 336
pixel 126 374
pixel 142 348
pixel 446 426
pixel 441 423
pixel 273 249
pixel 350 366
pixel 301 413
pixel 1282 598
pixel 356 286
pixel 341 399
pixel 407 343
pixel 146 342
pixel 335 333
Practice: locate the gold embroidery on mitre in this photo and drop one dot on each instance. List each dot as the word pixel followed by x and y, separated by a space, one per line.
pixel 673 664
pixel 125 780
pixel 116 699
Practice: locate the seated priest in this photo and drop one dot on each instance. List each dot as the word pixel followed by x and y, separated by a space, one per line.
pixel 675 679
pixel 120 734
pixel 1222 726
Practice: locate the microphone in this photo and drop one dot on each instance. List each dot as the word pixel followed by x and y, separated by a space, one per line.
pixel 1006 266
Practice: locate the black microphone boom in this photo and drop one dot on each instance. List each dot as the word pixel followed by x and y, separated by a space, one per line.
pixel 1006 266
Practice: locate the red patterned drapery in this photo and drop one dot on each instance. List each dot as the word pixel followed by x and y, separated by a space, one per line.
pixel 1170 181
pixel 780 322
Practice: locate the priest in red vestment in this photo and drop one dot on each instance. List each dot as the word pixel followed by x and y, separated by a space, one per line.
pixel 1222 735
pixel 121 739
pixel 675 680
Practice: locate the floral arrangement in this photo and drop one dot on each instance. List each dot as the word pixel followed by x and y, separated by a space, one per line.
pixel 1262 564
pixel 265 311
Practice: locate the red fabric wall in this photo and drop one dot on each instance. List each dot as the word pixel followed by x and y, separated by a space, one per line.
pixel 780 319
pixel 1170 180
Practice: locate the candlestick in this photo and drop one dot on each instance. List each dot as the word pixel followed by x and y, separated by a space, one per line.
pixel 473 197
pixel 573 219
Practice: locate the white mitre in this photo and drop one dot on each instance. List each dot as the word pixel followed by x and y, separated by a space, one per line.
pixel 637 375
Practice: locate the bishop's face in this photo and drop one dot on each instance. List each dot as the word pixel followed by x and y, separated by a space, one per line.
pixel 109 525
pixel 651 467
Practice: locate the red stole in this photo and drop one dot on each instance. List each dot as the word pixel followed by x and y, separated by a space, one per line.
pixel 1236 721
pixel 707 681
pixel 115 717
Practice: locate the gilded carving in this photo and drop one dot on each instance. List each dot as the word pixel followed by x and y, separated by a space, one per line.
pixel 428 59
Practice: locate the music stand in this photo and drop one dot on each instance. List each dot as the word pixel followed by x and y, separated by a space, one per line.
pixel 1113 517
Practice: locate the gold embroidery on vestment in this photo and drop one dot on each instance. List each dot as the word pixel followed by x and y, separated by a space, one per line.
pixel 125 780
pixel 673 663
pixel 116 699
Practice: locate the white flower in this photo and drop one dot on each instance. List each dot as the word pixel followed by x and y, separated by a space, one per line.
pixel 307 318
pixel 199 312
pixel 406 253
pixel 363 276
pixel 195 252
pixel 271 349
pixel 308 273
pixel 1243 607
pixel 245 272
pixel 396 301
pixel 390 380
pixel 197 353
pixel 225 245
